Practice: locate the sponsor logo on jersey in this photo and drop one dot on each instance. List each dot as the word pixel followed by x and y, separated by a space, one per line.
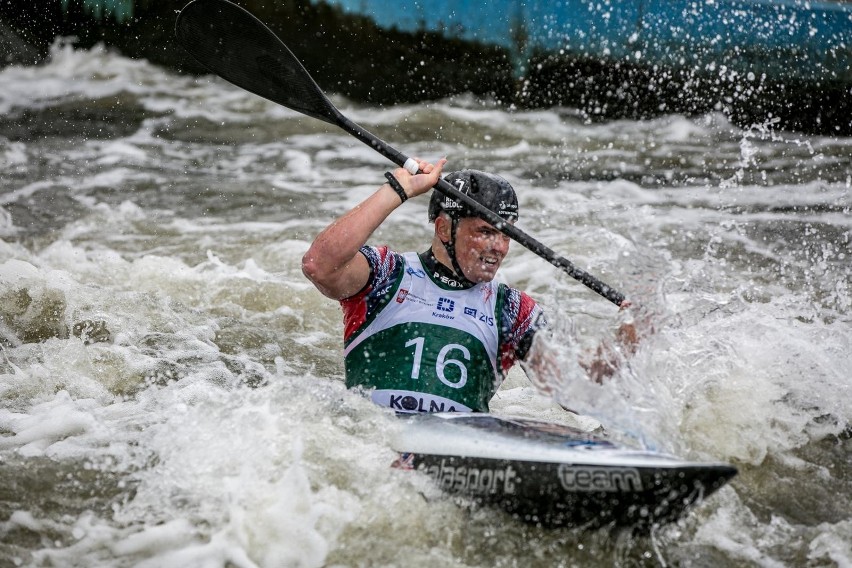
pixel 443 316
pixel 478 480
pixel 416 272
pixel 412 402
pixel 405 295
pixel 383 291
pixel 483 317
pixel 408 403
pixel 444 308
pixel 590 479
pixel 446 280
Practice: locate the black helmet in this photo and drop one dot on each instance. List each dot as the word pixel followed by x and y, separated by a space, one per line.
pixel 491 191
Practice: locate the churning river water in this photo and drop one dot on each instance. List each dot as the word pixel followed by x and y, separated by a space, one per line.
pixel 171 389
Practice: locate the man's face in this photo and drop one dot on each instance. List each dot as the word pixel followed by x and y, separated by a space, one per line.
pixel 480 249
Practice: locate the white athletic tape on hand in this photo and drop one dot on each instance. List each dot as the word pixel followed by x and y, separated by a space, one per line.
pixel 411 165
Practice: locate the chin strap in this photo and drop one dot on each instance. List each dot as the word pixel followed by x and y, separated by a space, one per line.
pixel 451 252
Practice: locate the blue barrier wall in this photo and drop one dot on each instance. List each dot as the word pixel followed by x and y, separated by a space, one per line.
pixel 809 41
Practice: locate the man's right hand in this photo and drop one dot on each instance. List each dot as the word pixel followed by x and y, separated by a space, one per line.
pixel 423 181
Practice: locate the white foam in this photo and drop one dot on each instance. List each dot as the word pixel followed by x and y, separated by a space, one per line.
pixel 832 544
pixel 185 240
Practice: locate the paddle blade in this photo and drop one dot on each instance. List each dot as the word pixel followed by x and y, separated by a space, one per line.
pixel 232 43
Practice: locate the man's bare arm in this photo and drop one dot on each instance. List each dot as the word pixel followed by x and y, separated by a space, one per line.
pixel 333 262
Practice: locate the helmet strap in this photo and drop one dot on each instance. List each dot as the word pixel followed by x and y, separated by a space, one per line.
pixel 451 252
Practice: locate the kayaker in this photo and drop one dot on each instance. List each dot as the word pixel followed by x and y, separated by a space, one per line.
pixel 431 331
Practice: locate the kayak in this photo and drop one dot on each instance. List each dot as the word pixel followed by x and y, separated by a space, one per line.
pixel 552 474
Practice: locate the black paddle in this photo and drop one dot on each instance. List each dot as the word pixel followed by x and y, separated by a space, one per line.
pixel 238 47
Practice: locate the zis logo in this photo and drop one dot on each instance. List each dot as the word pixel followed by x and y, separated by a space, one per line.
pixel 483 317
pixel 445 305
pixel 415 272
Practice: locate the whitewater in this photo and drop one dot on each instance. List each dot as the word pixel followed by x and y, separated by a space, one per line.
pixel 171 386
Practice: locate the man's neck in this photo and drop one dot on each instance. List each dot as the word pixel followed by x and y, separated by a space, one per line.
pixel 441 271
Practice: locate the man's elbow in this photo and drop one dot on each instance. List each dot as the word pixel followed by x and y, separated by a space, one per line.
pixel 320 276
pixel 310 268
pixel 318 273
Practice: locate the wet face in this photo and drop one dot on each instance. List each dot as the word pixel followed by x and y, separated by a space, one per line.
pixel 480 249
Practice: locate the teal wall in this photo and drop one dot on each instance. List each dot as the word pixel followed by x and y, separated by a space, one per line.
pixel 782 38
pixel 120 10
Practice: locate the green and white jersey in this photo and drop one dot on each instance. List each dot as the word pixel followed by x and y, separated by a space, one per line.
pixel 422 342
pixel 428 347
